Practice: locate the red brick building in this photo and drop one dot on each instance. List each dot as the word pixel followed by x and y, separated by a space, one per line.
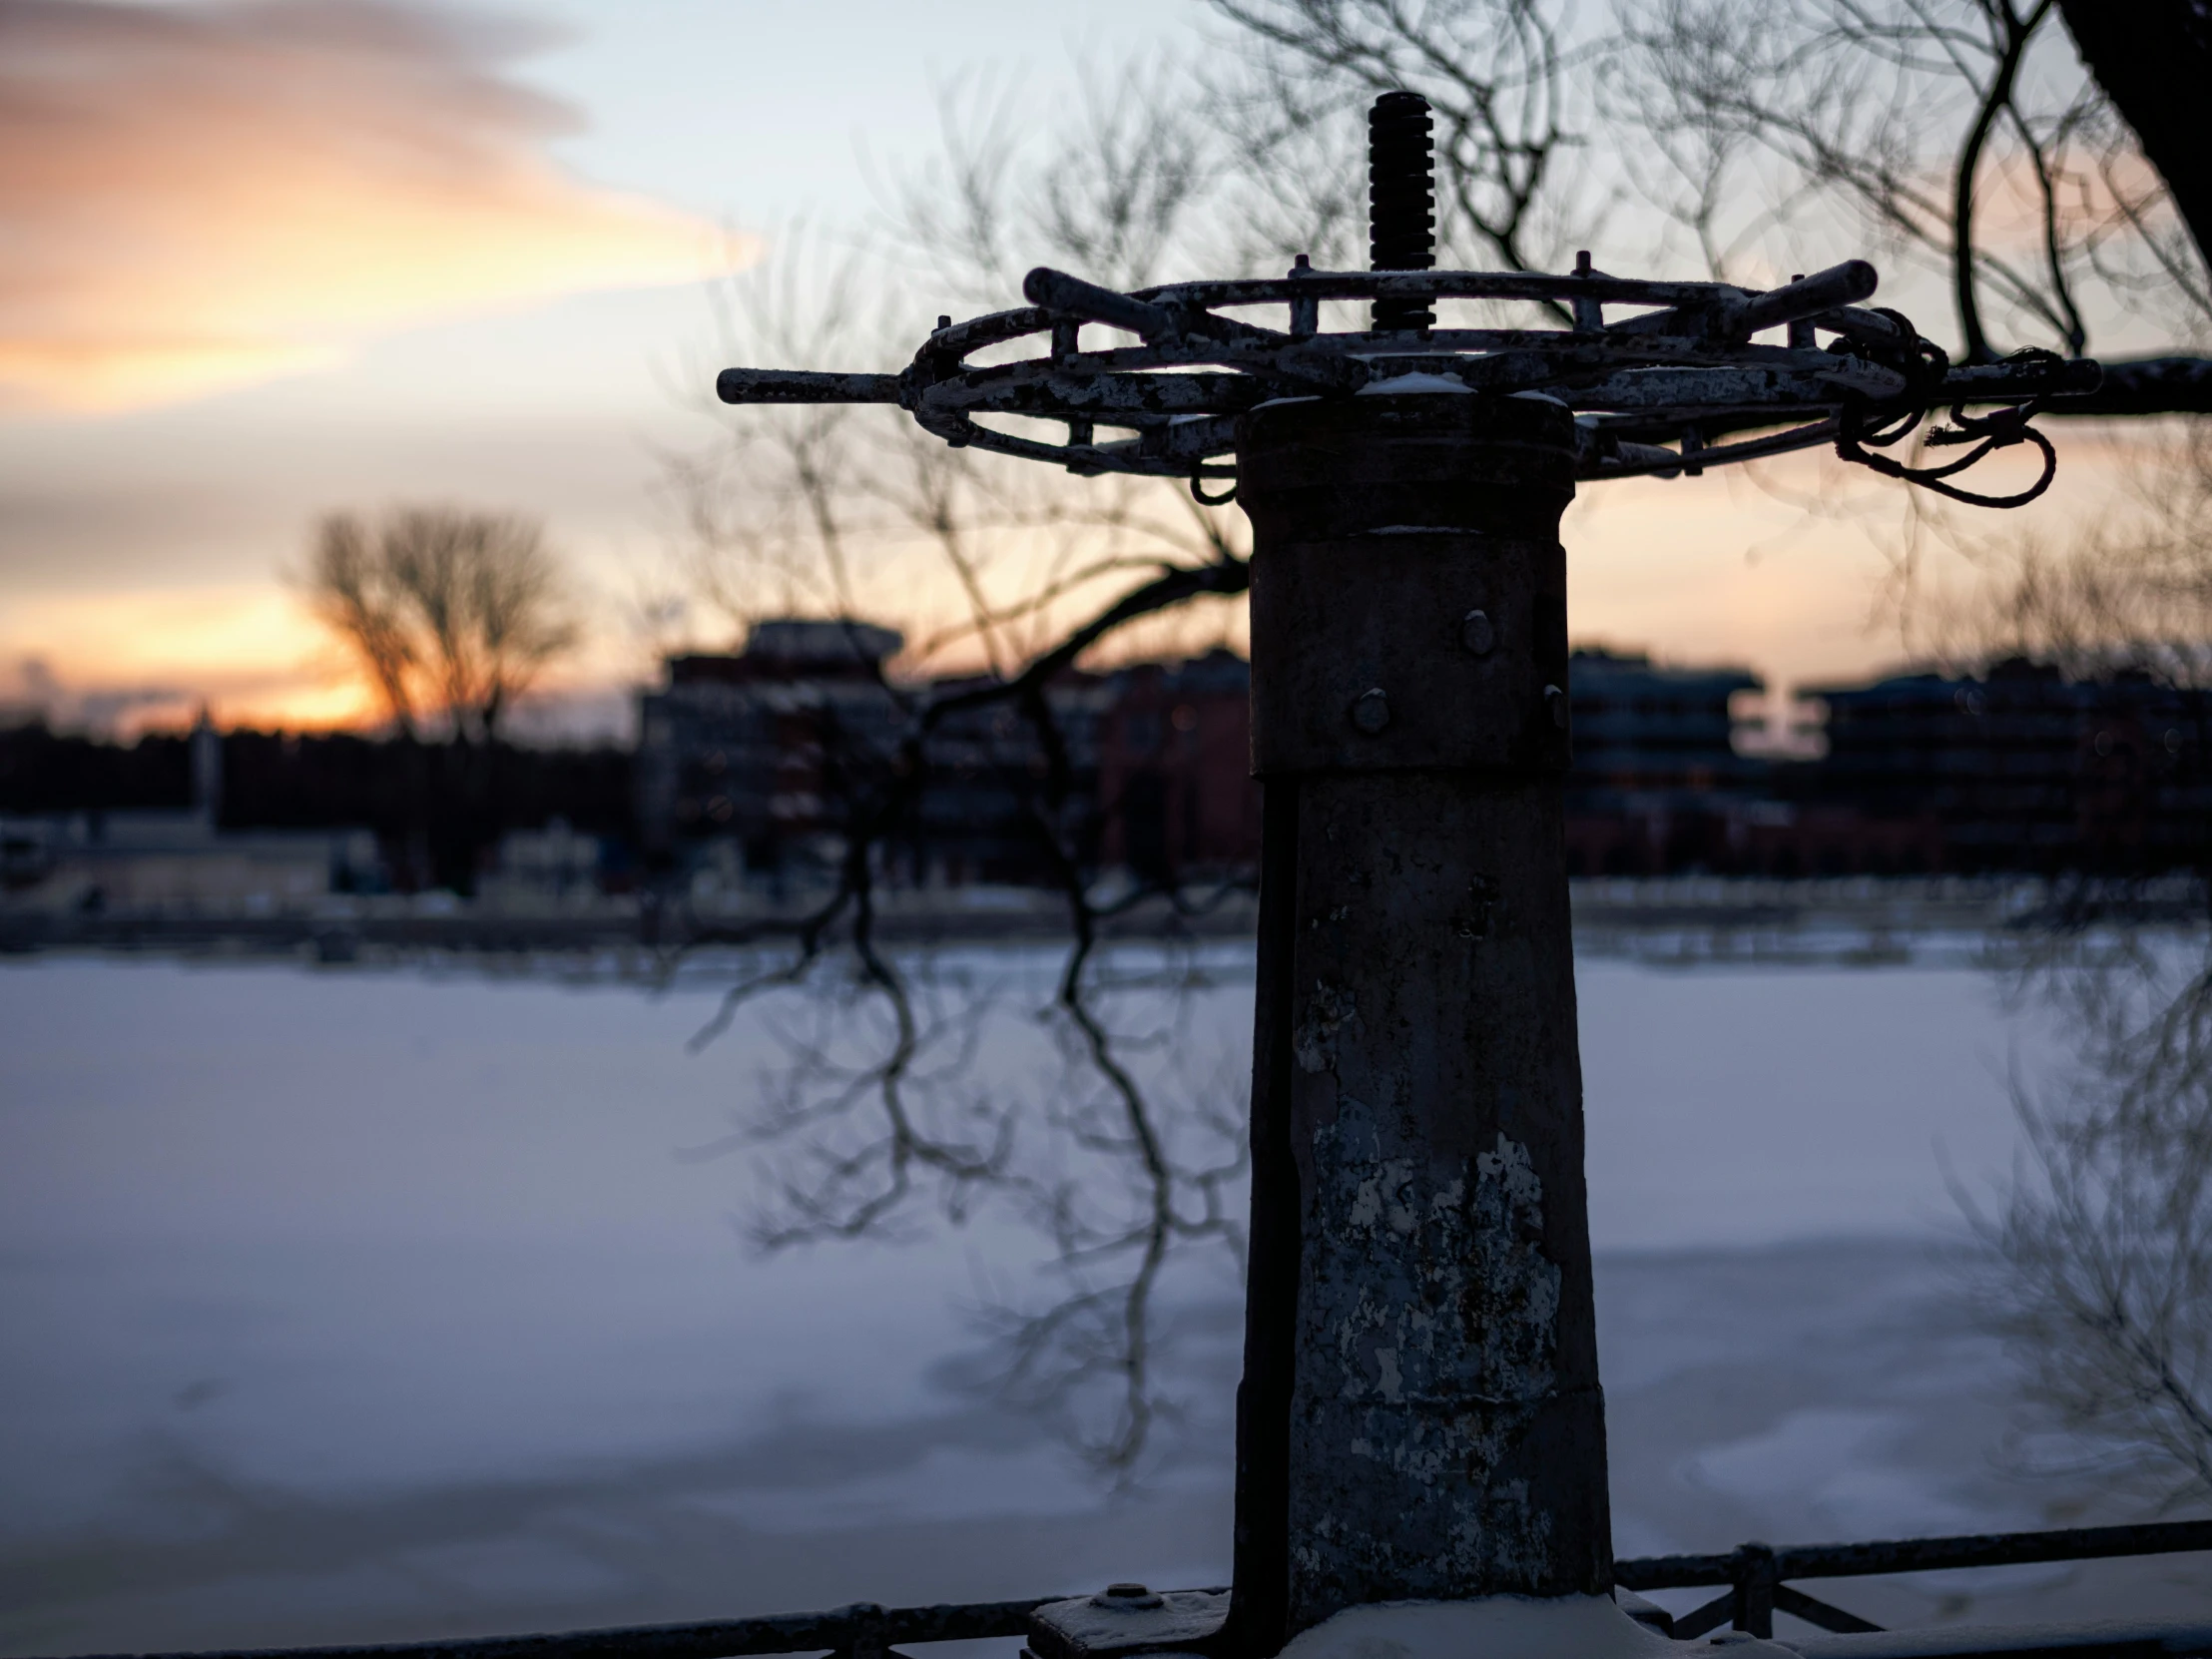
pixel 1176 795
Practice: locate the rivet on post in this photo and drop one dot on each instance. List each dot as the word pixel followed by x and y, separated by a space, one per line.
pixel 1477 634
pixel 1371 710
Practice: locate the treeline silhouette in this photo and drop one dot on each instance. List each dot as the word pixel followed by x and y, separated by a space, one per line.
pixel 44 771
pixel 437 809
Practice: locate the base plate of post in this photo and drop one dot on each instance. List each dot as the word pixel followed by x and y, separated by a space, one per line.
pixel 1128 1619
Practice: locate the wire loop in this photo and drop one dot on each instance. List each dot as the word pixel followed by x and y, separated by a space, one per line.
pixel 2001 429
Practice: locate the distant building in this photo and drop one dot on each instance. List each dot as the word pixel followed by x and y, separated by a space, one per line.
pixel 2020 769
pixel 748 764
pixel 1177 799
pixel 763 748
pixel 753 764
pixel 995 787
pixel 1658 781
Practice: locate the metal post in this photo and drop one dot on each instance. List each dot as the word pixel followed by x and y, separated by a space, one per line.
pixel 1420 1417
pixel 1751 1604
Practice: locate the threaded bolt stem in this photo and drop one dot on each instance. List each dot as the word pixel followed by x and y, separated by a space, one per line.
pixel 1401 202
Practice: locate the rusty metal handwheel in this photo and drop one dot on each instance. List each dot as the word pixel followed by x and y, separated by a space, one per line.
pixel 1683 367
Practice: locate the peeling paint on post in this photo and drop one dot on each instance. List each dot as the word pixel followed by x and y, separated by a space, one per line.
pixel 1420 1415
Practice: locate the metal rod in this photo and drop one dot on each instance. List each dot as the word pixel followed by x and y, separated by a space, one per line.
pixel 1974 1549
pixel 1072 298
pixel 799 386
pixel 1816 1612
pixel 1808 296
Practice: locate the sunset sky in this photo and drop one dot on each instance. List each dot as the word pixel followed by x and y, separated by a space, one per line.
pixel 266 261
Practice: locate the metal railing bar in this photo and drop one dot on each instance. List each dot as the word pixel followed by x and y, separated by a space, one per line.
pixel 1992 1549
pixel 1753 1574
pixel 2020 1641
pixel 1823 1614
pixel 1983 1549
pixel 1699 1620
pixel 838 1631
pixel 1675 1572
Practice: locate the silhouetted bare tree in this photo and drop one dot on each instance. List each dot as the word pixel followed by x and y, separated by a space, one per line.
pixel 2097 1255
pixel 453 614
pixel 878 1114
pixel 2130 598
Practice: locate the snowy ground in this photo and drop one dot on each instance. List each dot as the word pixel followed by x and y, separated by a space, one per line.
pixel 355 1305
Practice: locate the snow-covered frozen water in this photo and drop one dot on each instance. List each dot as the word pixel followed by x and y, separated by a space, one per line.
pixel 362 1304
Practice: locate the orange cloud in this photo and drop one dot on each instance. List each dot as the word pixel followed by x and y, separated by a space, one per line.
pixel 200 195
